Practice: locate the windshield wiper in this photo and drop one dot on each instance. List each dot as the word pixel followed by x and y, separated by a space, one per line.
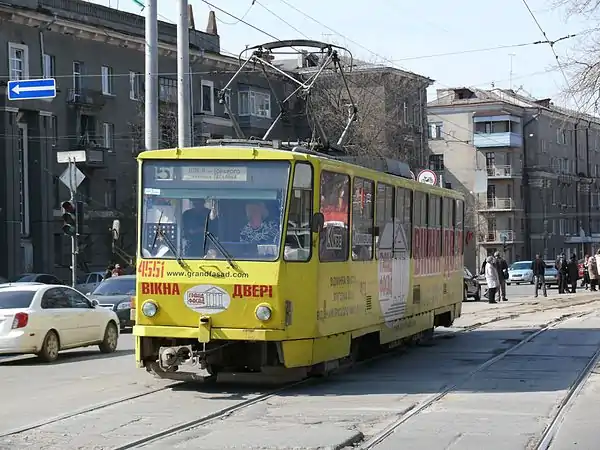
pixel 217 243
pixel 167 239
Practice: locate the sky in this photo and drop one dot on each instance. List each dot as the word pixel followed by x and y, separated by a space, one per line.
pixel 413 36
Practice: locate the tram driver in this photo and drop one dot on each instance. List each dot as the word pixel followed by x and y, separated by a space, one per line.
pixel 194 221
pixel 259 230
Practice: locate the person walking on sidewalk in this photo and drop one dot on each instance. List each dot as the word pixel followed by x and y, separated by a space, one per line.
pixel 593 270
pixel 561 267
pixel 538 267
pixel 502 269
pixel 585 283
pixel 573 273
pixel 492 279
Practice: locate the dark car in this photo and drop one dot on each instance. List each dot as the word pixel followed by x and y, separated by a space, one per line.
pixel 116 293
pixel 472 288
pixel 42 278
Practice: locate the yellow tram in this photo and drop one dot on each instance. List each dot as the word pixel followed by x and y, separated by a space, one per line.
pixel 261 259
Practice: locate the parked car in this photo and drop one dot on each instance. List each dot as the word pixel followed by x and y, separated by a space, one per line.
pixel 44 319
pixel 89 282
pixel 551 274
pixel 472 288
pixel 520 272
pixel 35 278
pixel 116 294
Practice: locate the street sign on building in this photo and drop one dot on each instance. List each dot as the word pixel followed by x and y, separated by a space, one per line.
pixel 71 156
pixel 72 177
pixel 31 89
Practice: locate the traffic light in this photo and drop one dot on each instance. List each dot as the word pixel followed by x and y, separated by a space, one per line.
pixel 69 219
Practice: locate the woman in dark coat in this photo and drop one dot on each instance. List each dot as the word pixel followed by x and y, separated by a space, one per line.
pixel 573 273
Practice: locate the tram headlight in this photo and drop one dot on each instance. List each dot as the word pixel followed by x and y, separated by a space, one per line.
pixel 149 308
pixel 263 312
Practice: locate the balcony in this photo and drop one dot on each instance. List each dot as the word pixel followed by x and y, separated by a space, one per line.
pixel 490 140
pixel 89 98
pixel 498 172
pixel 498 204
pixel 501 237
pixel 94 154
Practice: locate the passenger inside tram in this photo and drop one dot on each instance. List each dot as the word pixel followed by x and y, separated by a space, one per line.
pixel 193 223
pixel 259 230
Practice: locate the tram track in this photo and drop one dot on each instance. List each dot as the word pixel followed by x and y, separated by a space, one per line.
pixel 223 413
pixel 550 431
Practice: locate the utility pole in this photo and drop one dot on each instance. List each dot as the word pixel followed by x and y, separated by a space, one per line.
pixel 183 77
pixel 512 55
pixel 151 76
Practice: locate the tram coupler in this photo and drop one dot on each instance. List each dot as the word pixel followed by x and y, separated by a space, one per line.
pixel 169 357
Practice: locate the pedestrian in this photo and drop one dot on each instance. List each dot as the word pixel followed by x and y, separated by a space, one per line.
pixel 502 269
pixel 492 279
pixel 593 269
pixel 538 267
pixel 117 271
pixel 109 270
pixel 586 273
pixel 573 273
pixel 561 268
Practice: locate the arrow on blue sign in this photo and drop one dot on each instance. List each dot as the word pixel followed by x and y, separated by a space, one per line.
pixel 32 89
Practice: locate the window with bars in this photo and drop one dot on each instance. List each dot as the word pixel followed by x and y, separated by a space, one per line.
pixel 18 61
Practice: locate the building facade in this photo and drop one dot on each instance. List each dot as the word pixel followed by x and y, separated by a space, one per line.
pixel 529 169
pixel 391 108
pixel 96 55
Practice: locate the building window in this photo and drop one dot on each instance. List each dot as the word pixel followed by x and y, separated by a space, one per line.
pixel 208 97
pixel 18 61
pixel 167 89
pixel 436 162
pixel 561 136
pixel 107 80
pixel 227 100
pixel 405 117
pixel 490 160
pixel 434 130
pixel 49 66
pixel 77 76
pixel 135 85
pixel 110 194
pixel 253 103
pixel 108 135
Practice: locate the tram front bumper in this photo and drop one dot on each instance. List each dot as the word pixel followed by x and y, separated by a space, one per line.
pixel 200 333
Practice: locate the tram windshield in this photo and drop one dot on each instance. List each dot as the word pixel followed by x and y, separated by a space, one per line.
pixel 213 209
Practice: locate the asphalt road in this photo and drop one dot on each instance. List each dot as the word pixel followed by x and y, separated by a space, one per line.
pixel 503 406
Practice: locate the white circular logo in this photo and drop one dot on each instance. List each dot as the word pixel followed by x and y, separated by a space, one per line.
pixel 207 299
pixel 427 177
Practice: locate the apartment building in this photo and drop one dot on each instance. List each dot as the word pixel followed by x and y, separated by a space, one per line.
pixel 529 169
pixel 96 55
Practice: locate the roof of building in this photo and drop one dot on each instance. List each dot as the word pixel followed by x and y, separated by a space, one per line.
pixel 460 96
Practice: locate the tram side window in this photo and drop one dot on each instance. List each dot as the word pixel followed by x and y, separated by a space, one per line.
pixel 447 223
pixel 298 237
pixel 459 227
pixel 434 223
pixel 384 219
pixel 362 220
pixel 403 222
pixel 420 224
pixel 335 195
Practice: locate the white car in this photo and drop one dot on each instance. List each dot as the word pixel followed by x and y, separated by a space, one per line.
pixel 44 319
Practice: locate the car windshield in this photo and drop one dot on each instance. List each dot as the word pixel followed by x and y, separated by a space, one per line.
pixel 242 202
pixel 116 286
pixel 520 266
pixel 16 299
pixel 23 278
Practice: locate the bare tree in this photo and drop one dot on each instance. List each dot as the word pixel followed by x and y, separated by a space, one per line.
pixel 384 98
pixel 582 66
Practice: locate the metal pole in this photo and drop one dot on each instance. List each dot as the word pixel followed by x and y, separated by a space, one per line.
pixel 183 77
pixel 151 76
pixel 72 191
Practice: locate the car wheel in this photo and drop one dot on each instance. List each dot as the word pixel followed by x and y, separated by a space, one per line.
pixel 508 284
pixel 111 338
pixel 531 282
pixel 50 347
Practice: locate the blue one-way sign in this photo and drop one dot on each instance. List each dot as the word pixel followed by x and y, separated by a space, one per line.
pixel 32 89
